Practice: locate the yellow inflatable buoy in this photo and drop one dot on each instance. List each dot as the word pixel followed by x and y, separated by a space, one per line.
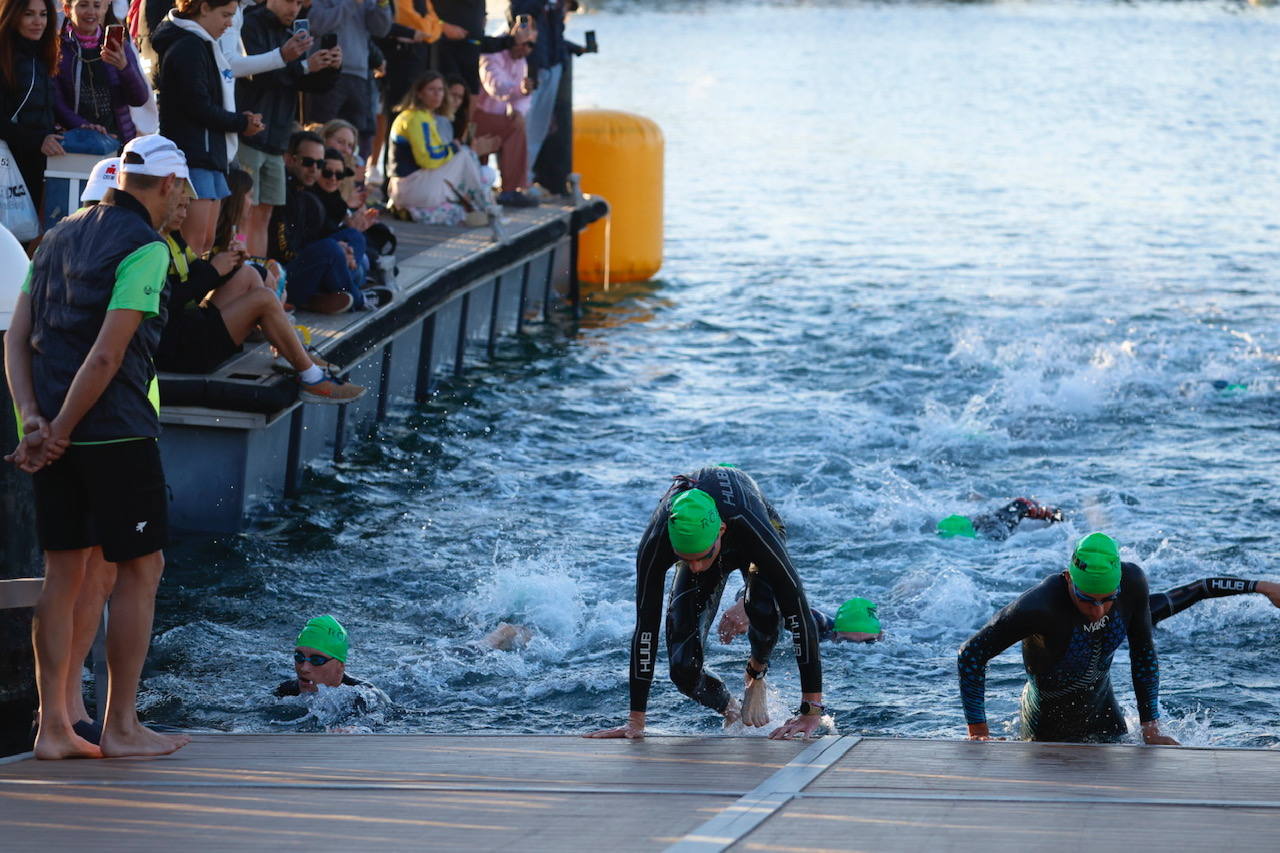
pixel 619 156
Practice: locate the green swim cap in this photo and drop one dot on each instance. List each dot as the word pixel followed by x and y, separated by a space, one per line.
pixel 857 614
pixel 325 634
pixel 956 525
pixel 1095 565
pixel 694 522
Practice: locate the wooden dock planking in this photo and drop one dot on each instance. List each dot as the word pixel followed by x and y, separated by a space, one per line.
pixel 555 793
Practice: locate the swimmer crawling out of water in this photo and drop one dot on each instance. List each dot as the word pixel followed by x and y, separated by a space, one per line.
pixel 710 524
pixel 1070 626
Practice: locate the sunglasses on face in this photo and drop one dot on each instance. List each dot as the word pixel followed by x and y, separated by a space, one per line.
pixel 314 660
pixel 1088 599
pixel 332 175
pixel 310 162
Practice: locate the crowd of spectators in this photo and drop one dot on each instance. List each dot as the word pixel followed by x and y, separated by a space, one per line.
pixel 310 105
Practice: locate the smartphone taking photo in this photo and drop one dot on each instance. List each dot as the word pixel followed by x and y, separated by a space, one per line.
pixel 301 25
pixel 114 39
pixel 328 41
pixel 592 47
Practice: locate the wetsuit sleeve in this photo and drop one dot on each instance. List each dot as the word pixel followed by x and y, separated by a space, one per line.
pixel 1178 599
pixel 654 556
pixel 757 537
pixel 826 625
pixel 140 279
pixel 1143 662
pixel 1015 622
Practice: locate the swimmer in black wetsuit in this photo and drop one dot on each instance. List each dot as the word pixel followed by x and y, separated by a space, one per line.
pixel 715 521
pixel 998 525
pixel 320 657
pixel 1070 626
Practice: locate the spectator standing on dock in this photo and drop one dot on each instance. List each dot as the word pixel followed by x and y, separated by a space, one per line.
pixel 716 521
pixel 1070 626
pixel 462 56
pixel 499 111
pixel 97 83
pixel 195 89
pixel 28 61
pixel 546 69
pixel 274 95
pixel 322 272
pixel 79 364
pixel 351 97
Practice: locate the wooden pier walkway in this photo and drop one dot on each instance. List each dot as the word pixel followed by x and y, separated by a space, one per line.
pixel 562 793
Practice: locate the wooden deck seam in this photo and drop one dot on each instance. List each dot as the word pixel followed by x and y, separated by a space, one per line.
pixel 738 819
pixel 106 784
pixel 1016 798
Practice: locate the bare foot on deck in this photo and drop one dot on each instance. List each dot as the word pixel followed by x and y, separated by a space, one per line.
pixel 51 748
pixel 140 741
pixel 755 705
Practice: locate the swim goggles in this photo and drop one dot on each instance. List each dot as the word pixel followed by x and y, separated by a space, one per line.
pixel 1088 599
pixel 314 660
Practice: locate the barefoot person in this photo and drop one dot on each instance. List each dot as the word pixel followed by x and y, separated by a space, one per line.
pixel 715 521
pixel 1070 626
pixel 79 363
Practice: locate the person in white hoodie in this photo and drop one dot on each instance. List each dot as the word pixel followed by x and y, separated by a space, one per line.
pixel 195 89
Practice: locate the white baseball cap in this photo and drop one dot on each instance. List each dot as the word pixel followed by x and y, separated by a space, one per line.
pixel 160 158
pixel 101 179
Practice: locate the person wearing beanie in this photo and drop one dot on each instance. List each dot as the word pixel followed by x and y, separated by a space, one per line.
pixel 1070 626
pixel 711 523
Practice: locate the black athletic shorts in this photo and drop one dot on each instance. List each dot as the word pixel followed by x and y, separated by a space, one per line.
pixel 111 495
pixel 196 341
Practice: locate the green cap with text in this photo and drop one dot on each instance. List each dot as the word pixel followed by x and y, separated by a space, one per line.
pixel 1095 565
pixel 694 522
pixel 326 635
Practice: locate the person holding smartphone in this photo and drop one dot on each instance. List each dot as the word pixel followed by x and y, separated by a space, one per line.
pixel 500 110
pixel 98 79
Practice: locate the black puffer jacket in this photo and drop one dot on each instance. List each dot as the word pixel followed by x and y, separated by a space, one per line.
pixel 274 94
pixel 189 94
pixel 26 110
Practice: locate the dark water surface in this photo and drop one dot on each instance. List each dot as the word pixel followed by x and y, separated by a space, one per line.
pixel 920 259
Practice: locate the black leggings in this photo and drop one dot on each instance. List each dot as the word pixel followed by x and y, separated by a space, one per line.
pixel 695 598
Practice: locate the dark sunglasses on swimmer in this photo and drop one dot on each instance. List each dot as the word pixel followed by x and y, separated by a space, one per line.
pixel 314 660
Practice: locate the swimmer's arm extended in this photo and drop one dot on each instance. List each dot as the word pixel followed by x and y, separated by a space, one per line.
pixel 1144 663
pixel 1013 623
pixel 653 558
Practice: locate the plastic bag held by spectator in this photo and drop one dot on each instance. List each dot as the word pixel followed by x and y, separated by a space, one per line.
pixel 17 211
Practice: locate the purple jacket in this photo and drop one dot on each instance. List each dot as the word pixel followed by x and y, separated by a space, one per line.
pixel 128 87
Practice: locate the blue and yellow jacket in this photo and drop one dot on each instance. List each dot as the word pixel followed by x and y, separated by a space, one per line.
pixel 416 143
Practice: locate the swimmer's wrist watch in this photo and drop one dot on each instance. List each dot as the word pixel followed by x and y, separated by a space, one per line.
pixel 811 709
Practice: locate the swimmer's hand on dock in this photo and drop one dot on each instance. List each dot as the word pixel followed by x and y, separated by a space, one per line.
pixel 633 730
pixel 805 722
pixel 979 731
pixel 1151 735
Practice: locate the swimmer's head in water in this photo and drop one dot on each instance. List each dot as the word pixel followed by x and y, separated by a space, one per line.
pixel 857 618
pixel 693 523
pixel 326 635
pixel 1095 565
pixel 956 525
